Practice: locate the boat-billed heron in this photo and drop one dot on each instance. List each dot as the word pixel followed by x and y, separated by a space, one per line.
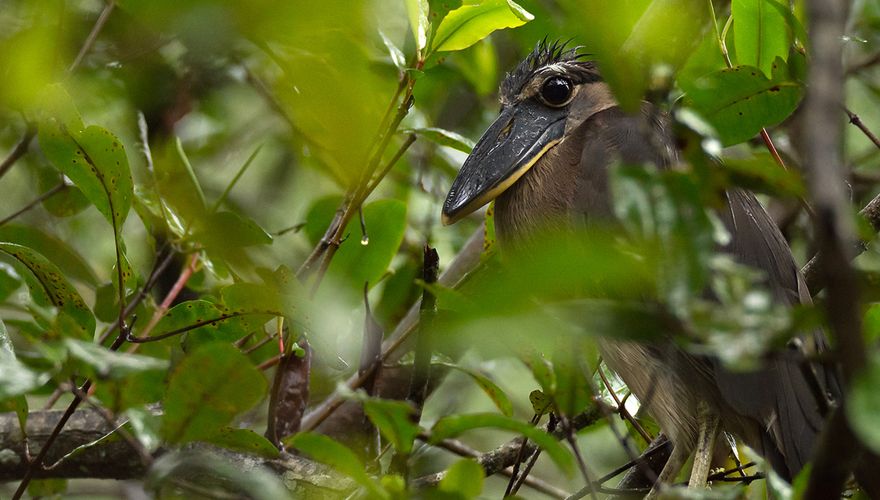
pixel 546 160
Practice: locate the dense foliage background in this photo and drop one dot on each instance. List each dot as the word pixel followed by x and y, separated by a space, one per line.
pixel 251 186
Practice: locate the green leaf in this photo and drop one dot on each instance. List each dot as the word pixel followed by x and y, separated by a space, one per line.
pixel 19 403
pixel 452 426
pixel 244 440
pixel 464 478
pixel 180 191
pixel 863 405
pixel 217 324
pixel 360 260
pixel 760 33
pixel 105 363
pixel 63 255
pixel 397 57
pixel 95 161
pixel 207 390
pixel 469 24
pixel 761 173
pixel 230 229
pixel 739 101
pixel 394 421
pixel 541 403
pixel 495 393
pixel 49 286
pixel 417 11
pixel 10 281
pixel 46 487
pixel 443 138
pixel 336 455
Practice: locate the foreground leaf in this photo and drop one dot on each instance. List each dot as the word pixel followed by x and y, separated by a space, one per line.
pixel 863 405
pixel 326 450
pixel 469 24
pixel 63 255
pixel 207 390
pixel 740 101
pixel 464 478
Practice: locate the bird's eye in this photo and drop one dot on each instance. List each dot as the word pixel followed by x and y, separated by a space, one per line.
pixel 556 91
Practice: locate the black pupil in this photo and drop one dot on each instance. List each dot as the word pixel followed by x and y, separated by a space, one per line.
pixel 556 91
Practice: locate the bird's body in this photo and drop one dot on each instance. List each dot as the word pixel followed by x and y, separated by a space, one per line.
pixel 565 184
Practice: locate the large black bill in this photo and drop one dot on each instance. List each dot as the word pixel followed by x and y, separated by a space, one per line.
pixel 511 145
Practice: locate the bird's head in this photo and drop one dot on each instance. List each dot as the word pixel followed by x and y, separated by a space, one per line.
pixel 545 98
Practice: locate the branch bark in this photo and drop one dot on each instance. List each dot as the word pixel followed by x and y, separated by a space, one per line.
pixel 114 459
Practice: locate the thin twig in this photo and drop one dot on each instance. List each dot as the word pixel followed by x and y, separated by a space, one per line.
pixel 855 120
pixel 19 150
pixel 61 186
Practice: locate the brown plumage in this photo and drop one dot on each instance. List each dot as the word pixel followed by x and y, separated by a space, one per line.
pixel 773 409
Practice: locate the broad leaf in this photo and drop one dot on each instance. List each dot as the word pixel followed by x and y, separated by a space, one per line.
pixel 244 440
pixel 49 286
pixel 495 393
pixel 326 450
pixel 760 33
pixel 739 101
pixel 104 363
pixel 452 426
pixel 63 255
pixel 463 479
pixel 394 419
pixel 417 11
pixel 362 258
pixel 207 390
pixel 470 23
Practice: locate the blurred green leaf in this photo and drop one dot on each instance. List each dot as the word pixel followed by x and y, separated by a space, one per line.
pixel 760 33
pixel 63 255
pixel 863 405
pixel 181 194
pixel 104 363
pixel 10 281
pixel 479 66
pixel 207 390
pixel 397 57
pixel 464 478
pixel 739 101
pixel 417 10
pixel 760 173
pixel 49 286
pixel 443 138
pixel 326 450
pixel 394 419
pixel 224 229
pixel 244 440
pixel 361 259
pixel 17 404
pixel 495 393
pixel 470 23
pixel 453 425
pixel 46 487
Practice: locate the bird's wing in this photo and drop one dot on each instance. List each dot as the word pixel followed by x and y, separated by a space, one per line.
pixel 779 395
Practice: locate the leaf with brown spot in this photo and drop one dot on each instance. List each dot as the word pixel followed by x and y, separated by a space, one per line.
pixel 49 286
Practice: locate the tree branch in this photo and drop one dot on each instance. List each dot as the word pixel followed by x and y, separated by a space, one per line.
pixel 114 459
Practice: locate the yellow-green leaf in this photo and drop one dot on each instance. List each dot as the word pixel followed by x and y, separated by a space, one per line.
pixel 469 24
